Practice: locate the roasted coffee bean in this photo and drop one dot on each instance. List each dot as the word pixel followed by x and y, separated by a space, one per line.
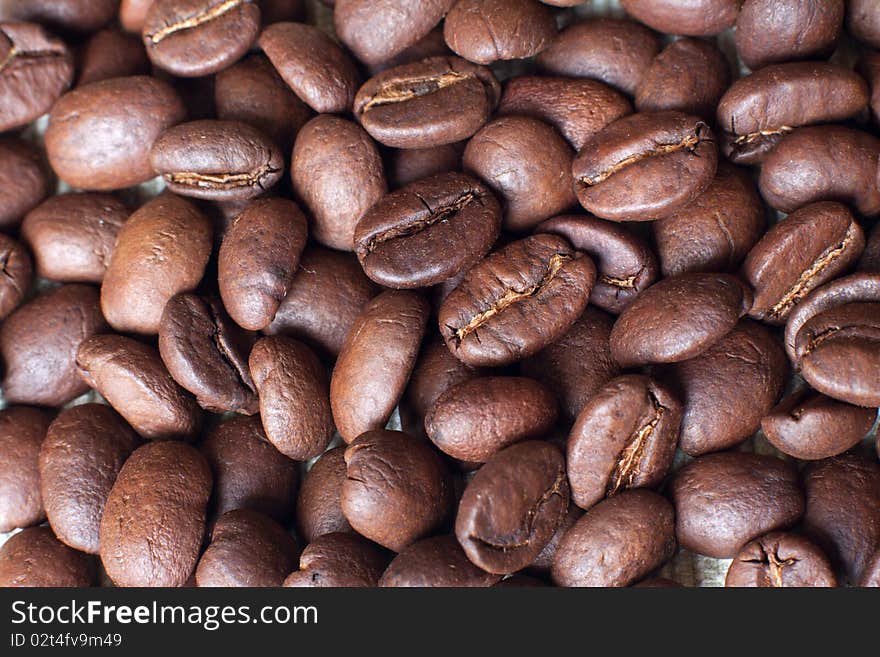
pixel 247 549
pixel 64 15
pixel 716 230
pixel 723 501
pixel 480 416
pixel 431 45
pixel 23 179
pixel 863 21
pixel 810 426
pixel 428 231
pixel 516 301
pixel 543 563
pixel 375 362
pixel 759 110
pixel 577 108
pixel 698 18
pixel 528 164
pixel 133 13
pixel 439 100
pixel 131 377
pixel 773 31
pixel 36 69
pixel 396 489
pixel 869 68
pixel 485 31
pixel 159 547
pixel 513 506
pixel 437 561
pixel 82 453
pixel 99 136
pixel 679 318
pixel 189 38
pixel 258 260
pixel 625 437
pixel 22 431
pixel 111 54
pixel 617 542
pixel 614 51
pixel 578 364
pixel 38 343
pixel 294 396
pixel 690 75
pixel 780 559
pixel 319 502
pixel 337 171
pixel 407 165
pixel 72 235
pixel 35 558
pixel 870 260
pixel 17 270
pixel 625 263
pixel 339 560
pixel 320 73
pixel 645 166
pixel 843 510
pixel 728 389
pixel 206 353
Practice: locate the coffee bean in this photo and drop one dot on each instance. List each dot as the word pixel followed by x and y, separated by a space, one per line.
pixel 428 231
pixel 189 38
pixel 111 54
pixel 64 15
pixel 319 502
pixel 863 21
pixel 22 430
pixel 133 13
pixel 618 542
pixel 512 507
pixel 407 165
pixel 645 166
pixel 516 301
pixel 437 561
pixel 23 179
pixel 99 136
pixel 723 501
pixel 869 68
pixel 782 560
pixel 439 100
pixel 35 558
pixel 698 18
pixel 431 45
pixel 543 563
pixel 18 270
pixel 625 437
pixel 870 260
pixel 339 560
pixel 396 490
pixel 159 548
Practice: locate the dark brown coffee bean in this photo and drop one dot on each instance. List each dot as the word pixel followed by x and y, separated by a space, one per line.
pixel 339 560
pixel 247 549
pixel 23 179
pixel 843 510
pixel 83 452
pixel 723 501
pixel 863 21
pixel 111 54
pixel 625 437
pixel 407 165
pixel 543 563
pixel 18 272
pixel 679 318
pixel 437 561
pixel 512 507
pixel 36 69
pixel 516 301
pixel 618 542
pixel 439 100
pixel 319 502
pixel 161 250
pixel 813 245
pixel 577 108
pixel 870 260
pixel 38 343
pixel 698 18
pixel 625 263
pixel 133 13
pixel 189 38
pixel 99 136
pixel 73 235
pixel 480 416
pixel 206 353
pixel 64 15
pixel 375 362
pixel 645 166
pixel 396 490
pixel 578 364
pixel 781 560
pixel 428 231
pixel 22 430
pixel 810 426
pixel 869 68
pixel 35 558
pixel 614 51
pixel 131 377
pixel 431 45
pixel 325 297
pixel 337 172
pixel 159 548
pixel 716 230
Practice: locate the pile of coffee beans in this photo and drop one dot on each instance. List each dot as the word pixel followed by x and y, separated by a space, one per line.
pixel 439 292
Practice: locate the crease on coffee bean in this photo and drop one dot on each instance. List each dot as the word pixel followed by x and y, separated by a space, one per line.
pixel 400 91
pixel 221 180
pixel 833 331
pixel 628 465
pixel 770 559
pixel 226 353
pixel 4 270
pixel 627 283
pixel 15 55
pixel 204 16
pixel 752 137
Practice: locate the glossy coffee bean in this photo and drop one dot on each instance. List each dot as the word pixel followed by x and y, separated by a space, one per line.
pixel 23 179
pixel 111 54
pixel 723 501
pixel 35 558
pixel 339 560
pixel 780 560
pixel 18 268
pixel 407 165
pixel 437 561
pixel 699 18
pixel 319 502
pixel 625 437
pixel 22 430
pixel 133 13
pixel 863 21
pixel 76 16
